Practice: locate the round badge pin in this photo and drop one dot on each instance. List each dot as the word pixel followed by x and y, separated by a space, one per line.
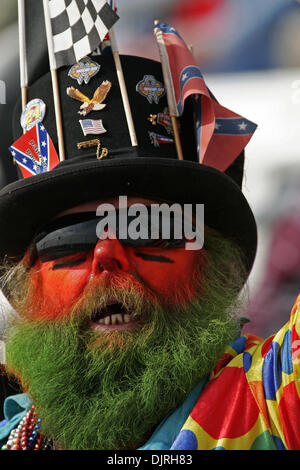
pixel 33 113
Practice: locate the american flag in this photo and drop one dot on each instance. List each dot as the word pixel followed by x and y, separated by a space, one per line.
pixel 221 134
pixel 112 4
pixel 90 126
pixel 78 27
pixel 34 152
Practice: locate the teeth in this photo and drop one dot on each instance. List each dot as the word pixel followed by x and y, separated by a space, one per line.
pixel 119 318
pixel 115 319
pixel 126 318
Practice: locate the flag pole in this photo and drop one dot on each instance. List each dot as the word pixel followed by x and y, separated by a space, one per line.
pixel 170 93
pixel 23 55
pixel 123 89
pixel 55 85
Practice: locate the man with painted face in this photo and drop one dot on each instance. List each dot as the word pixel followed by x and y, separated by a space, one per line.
pixel 137 323
pixel 134 343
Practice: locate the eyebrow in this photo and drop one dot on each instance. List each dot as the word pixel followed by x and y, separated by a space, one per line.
pixel 159 259
pixel 68 264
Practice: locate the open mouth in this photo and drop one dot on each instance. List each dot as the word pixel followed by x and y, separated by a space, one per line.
pixel 113 313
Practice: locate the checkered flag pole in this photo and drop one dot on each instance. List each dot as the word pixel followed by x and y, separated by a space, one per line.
pixel 22 51
pixel 76 28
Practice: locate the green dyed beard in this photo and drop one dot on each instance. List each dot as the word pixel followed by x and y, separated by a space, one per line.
pixel 110 391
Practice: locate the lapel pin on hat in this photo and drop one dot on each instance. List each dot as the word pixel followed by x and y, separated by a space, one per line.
pixel 34 152
pixel 94 143
pixel 94 104
pixel 150 88
pixel 162 119
pixel 33 112
pixel 92 126
pixel 84 70
pixel 157 139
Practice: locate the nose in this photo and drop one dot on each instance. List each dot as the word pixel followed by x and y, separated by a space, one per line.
pixel 110 256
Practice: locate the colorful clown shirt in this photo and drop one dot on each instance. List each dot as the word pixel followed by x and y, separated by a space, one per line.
pixel 250 401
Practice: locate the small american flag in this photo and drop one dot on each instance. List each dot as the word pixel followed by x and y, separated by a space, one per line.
pixel 112 4
pixel 221 134
pixel 90 126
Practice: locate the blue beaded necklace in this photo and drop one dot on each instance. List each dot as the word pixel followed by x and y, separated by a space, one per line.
pixel 27 436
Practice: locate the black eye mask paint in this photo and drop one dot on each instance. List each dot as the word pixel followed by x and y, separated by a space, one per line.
pixel 76 233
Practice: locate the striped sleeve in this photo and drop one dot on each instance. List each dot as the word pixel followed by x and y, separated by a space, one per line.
pixel 274 379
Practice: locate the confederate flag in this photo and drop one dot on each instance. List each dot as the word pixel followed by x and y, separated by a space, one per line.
pixel 34 152
pixel 221 133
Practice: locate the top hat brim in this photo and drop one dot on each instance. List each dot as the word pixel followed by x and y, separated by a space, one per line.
pixel 26 205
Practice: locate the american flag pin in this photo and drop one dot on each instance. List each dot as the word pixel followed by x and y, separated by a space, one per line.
pixel 91 126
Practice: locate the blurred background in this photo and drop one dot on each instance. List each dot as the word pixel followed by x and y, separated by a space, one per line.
pixel 249 54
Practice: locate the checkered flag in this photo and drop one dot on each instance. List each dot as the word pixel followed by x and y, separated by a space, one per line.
pixel 78 27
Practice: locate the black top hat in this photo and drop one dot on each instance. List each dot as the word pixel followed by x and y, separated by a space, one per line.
pixel 151 169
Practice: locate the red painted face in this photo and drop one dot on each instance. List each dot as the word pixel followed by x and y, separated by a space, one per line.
pixel 62 281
